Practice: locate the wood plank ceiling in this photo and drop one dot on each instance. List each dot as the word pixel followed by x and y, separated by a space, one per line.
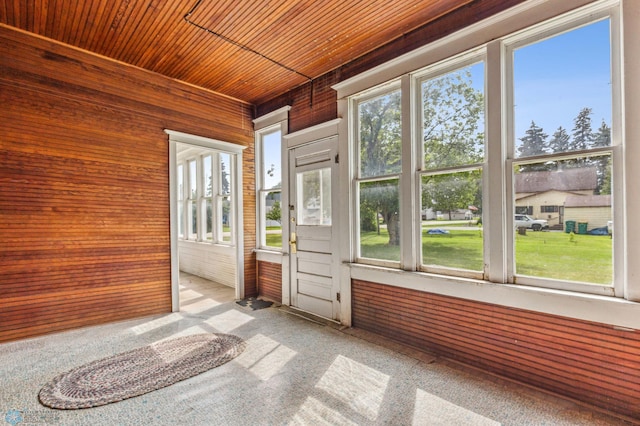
pixel 306 37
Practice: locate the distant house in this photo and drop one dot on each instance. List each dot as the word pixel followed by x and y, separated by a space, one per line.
pixel 595 210
pixel 543 194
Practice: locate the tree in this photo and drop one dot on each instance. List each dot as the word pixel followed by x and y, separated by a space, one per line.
pixel 449 193
pixel 226 189
pixel 275 213
pixel 603 136
pixel 382 198
pixel 534 142
pixel 452 114
pixel 453 135
pixel 582 133
pixel 559 141
pixel 380 135
pixel 380 154
pixel 603 164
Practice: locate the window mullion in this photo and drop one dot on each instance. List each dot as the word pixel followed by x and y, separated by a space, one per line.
pixel 495 205
pixel 409 207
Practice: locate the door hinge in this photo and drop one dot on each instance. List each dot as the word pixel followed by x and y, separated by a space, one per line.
pixel 337 158
pixel 338 296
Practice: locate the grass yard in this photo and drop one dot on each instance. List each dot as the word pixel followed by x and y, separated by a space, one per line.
pixel 556 255
pixel 586 258
pixel 274 239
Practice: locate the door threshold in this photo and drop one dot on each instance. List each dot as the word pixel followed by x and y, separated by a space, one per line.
pixel 311 317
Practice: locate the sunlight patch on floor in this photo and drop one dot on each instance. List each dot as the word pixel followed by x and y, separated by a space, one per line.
pixel 314 412
pixel 265 357
pixel 361 387
pixel 432 410
pixel 157 323
pixel 228 320
pixel 187 295
pixel 196 329
pixel 199 307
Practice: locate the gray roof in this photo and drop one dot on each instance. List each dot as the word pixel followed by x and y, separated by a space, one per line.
pixel 588 201
pixel 578 179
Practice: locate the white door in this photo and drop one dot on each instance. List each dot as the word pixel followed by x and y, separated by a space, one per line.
pixel 312 244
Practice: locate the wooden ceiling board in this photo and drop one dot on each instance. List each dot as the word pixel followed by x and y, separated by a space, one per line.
pixel 311 37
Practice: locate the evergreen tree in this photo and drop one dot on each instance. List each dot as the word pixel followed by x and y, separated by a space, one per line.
pixel 603 136
pixel 559 141
pixel 533 143
pixel 603 164
pixel 582 133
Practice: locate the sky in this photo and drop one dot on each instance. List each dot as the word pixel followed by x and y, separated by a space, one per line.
pixel 272 156
pixel 556 78
pixel 553 80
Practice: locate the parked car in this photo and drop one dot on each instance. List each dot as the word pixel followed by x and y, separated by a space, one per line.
pixel 524 221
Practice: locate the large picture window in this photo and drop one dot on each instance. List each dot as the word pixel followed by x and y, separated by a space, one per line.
pixel 513 148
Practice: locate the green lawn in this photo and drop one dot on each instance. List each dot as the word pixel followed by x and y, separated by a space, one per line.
pixel 565 256
pixel 556 255
pixel 275 239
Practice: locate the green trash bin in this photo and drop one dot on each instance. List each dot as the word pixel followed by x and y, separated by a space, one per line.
pixel 569 226
pixel 582 227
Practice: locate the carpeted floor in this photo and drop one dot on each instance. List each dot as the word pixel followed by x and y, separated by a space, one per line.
pixel 293 371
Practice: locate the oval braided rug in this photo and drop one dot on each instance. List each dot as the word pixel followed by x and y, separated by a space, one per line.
pixel 139 371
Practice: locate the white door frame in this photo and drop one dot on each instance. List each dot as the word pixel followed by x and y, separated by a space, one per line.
pixel 236 191
pixel 292 140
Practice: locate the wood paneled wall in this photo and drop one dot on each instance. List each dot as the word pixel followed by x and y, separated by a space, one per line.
pixel 270 281
pixel 314 103
pixel 84 184
pixel 595 363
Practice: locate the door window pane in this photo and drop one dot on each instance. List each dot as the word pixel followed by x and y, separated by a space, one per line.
pixel 314 197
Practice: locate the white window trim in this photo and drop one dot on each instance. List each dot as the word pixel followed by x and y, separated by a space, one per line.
pixel 603 309
pixel 274 121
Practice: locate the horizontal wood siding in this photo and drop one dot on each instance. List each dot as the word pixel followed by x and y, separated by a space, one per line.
pixel 211 261
pixel 84 183
pixel 270 281
pixel 590 362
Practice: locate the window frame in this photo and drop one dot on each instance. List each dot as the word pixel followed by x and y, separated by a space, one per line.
pixel 548 29
pixel 355 101
pixel 200 199
pixel 497 180
pixel 263 126
pixel 436 70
